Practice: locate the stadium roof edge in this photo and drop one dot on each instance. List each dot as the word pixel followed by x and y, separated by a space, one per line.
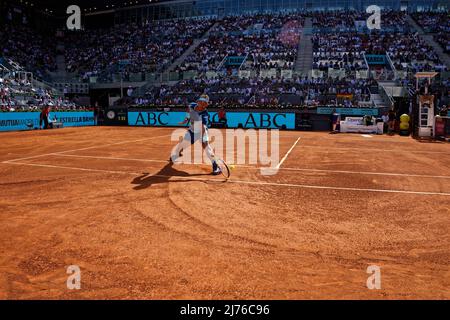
pixel 95 5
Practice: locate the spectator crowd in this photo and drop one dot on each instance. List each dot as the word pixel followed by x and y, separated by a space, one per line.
pixel 241 59
pixel 130 48
pixel 437 23
pixel 20 95
pixel 296 91
pixel 31 50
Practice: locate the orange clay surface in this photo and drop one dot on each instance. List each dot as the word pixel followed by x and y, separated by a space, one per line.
pixel 340 203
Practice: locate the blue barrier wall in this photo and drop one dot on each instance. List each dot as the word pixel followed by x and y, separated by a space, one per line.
pixel 11 121
pixel 246 120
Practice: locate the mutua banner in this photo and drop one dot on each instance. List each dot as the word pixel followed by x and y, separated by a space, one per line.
pixel 11 121
pixel 245 120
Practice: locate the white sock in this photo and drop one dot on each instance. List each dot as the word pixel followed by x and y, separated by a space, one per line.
pixel 210 153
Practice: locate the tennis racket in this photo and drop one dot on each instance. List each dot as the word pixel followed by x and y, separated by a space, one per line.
pixel 226 172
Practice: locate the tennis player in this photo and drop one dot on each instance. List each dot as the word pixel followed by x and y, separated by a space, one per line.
pixel 198 130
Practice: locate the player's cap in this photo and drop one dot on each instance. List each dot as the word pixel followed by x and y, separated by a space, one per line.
pixel 192 105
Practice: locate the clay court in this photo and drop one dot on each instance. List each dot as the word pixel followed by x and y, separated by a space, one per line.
pixel 106 199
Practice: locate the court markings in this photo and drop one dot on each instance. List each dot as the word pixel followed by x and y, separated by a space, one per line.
pixel 248 182
pixel 326 149
pixel 83 149
pixel 105 158
pixel 73 168
pixel 287 153
pixel 254 167
pixel 367 173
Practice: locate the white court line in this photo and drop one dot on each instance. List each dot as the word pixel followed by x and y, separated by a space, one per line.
pixel 107 158
pixel 287 153
pixel 258 168
pixel 82 149
pixel 325 149
pixel 338 188
pixel 73 168
pixel 367 173
pixel 113 144
pixel 260 183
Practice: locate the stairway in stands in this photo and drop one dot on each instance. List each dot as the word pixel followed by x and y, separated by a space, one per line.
pixel 305 50
pixel 428 38
pixel 377 100
pixel 190 50
pixel 61 74
pixel 384 96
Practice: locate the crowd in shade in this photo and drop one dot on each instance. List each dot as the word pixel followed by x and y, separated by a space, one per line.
pixel 348 20
pixel 20 95
pixel 240 92
pixel 34 52
pixel 131 48
pixel 437 23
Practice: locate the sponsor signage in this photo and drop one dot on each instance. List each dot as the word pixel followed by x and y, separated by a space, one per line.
pixel 349 111
pixel 116 117
pixel 376 59
pixel 235 61
pixel 245 120
pixel 10 121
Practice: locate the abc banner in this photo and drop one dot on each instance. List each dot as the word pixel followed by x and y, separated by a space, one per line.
pixel 12 121
pixel 245 120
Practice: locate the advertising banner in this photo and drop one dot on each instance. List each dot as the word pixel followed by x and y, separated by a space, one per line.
pixel 245 120
pixel 11 121
pixel 376 59
pixel 349 111
pixel 235 61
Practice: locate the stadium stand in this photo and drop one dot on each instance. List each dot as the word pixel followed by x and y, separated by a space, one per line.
pixel 436 23
pixel 339 73
pixel 275 92
pixel 27 50
pixel 246 59
pixel 20 95
pixel 259 41
pixel 148 48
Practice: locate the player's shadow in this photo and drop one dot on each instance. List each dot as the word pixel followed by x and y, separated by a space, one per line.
pixel 163 176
